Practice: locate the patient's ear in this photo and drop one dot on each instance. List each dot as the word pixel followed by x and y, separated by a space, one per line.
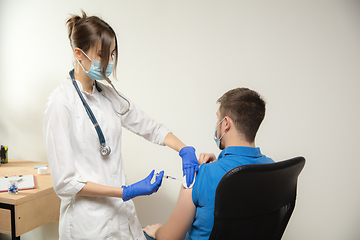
pixel 228 122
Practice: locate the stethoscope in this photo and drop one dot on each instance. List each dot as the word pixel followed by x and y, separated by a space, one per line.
pixel 104 149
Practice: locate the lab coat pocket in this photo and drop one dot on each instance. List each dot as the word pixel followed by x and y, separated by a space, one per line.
pixel 88 220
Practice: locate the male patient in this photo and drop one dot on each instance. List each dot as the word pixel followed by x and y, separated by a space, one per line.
pixel 239 115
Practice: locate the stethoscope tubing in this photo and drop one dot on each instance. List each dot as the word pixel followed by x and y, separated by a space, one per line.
pixel 104 150
pixel 88 110
pixel 128 109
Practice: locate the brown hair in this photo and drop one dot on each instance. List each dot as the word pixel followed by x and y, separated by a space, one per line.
pixel 86 32
pixel 246 108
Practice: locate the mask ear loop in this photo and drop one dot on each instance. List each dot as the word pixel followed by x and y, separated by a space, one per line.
pixel 80 63
pixel 225 130
pixel 85 54
pixel 223 135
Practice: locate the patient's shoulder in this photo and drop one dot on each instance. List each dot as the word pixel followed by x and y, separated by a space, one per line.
pixel 210 173
pixel 208 168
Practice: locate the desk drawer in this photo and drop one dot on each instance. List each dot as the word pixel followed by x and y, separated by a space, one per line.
pixel 5 221
pixel 36 213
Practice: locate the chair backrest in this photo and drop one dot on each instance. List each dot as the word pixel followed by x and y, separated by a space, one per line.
pixel 256 201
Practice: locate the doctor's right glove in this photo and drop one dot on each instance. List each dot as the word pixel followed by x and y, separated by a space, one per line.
pixel 190 164
pixel 143 187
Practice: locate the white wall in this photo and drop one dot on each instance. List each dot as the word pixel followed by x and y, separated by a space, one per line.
pixel 176 59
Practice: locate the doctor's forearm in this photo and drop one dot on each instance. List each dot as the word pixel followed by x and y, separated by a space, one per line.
pixel 97 190
pixel 173 142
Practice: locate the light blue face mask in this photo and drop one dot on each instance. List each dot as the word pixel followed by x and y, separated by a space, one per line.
pixel 217 140
pixel 95 70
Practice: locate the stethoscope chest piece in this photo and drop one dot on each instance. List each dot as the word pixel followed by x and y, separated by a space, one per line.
pixel 105 150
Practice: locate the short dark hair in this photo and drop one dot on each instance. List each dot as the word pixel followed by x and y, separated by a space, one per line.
pixel 246 108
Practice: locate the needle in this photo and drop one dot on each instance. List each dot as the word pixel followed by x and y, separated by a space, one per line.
pixel 170 177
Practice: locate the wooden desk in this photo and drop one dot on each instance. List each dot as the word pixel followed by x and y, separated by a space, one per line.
pixel 28 209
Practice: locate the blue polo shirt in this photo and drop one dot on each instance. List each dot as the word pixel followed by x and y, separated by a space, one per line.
pixel 207 179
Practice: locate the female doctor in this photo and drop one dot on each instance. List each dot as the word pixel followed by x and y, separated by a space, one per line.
pixel 83 126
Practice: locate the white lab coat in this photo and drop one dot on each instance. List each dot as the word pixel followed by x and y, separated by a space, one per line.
pixel 74 158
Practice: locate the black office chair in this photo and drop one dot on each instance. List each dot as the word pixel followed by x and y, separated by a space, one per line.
pixel 256 201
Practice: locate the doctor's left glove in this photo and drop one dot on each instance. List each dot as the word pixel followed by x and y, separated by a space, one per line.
pixel 190 164
pixel 143 187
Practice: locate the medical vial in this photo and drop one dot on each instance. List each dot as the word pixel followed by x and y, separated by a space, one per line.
pixel 13 186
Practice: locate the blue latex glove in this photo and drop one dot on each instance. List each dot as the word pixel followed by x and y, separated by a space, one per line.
pixel 190 163
pixel 143 187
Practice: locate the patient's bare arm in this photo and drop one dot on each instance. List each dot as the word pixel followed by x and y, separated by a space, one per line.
pixel 179 221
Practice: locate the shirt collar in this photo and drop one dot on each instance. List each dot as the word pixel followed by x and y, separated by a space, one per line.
pixel 241 151
pixel 82 89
